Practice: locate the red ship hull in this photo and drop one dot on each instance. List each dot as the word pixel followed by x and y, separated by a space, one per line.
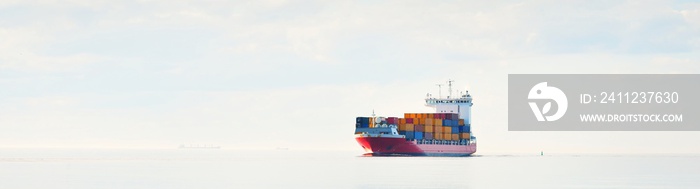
pixel 386 146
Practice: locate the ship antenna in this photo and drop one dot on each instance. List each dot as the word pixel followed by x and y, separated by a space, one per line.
pixel 439 90
pixel 449 84
pixel 373 115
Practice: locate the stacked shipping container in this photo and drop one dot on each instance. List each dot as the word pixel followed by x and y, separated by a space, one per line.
pixel 371 122
pixel 433 126
pixel 419 126
pixel 362 122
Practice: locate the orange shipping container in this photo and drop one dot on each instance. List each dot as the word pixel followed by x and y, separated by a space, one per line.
pixel 447 136
pixel 464 135
pixel 455 137
pixel 428 121
pixel 447 130
pixel 428 129
pixel 407 115
pixel 461 121
pixel 430 116
pixel 402 121
pixel 437 122
pixel 410 127
pixel 406 127
pixel 437 136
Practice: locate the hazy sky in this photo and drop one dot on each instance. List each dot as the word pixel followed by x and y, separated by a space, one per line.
pixel 267 74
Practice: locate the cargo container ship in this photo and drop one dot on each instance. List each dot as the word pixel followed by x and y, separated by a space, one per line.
pixel 444 133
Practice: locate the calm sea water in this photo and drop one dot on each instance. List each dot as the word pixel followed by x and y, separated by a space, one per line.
pixel 296 169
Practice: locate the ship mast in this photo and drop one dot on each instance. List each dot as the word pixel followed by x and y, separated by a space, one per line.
pixel 449 85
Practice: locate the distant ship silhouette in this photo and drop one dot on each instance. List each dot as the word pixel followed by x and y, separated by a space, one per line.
pixel 182 146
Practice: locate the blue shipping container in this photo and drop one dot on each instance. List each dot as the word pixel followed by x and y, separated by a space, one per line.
pixel 410 135
pixel 465 129
pixel 418 135
pixel 450 123
pixel 364 120
pixel 455 130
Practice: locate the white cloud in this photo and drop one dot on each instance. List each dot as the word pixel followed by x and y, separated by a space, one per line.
pixel 691 16
pixel 32 62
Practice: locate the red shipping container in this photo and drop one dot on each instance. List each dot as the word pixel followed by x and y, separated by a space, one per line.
pixel 409 120
pixel 392 120
pixel 419 128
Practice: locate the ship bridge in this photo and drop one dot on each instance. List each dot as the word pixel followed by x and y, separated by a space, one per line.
pixel 461 105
